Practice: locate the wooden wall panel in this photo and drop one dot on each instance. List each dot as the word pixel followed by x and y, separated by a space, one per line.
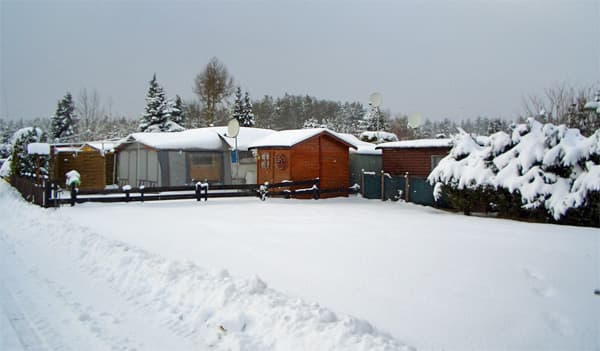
pixel 90 165
pixel 334 164
pixel 305 163
pixel 416 162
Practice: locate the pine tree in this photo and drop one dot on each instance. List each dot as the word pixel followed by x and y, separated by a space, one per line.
pixel 177 111
pixel 158 112
pixel 311 123
pixel 238 106
pixel 375 120
pixel 247 117
pixel 155 105
pixel 63 123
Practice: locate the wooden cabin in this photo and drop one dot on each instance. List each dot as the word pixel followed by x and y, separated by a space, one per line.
pixel 180 158
pixel 94 161
pixel 302 155
pixel 415 157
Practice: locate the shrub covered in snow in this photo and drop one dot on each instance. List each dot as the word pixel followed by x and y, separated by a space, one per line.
pixel 23 163
pixel 537 170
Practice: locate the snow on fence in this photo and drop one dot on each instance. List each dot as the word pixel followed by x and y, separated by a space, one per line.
pixel 49 194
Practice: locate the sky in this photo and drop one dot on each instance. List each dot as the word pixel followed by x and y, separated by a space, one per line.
pixel 442 59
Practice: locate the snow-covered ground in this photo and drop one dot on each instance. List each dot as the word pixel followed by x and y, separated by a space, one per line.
pixel 291 275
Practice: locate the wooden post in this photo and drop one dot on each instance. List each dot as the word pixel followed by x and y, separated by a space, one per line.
pixel 362 180
pixel 382 186
pixel 407 186
pixel 73 195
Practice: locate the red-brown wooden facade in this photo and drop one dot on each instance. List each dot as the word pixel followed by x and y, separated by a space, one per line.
pixel 418 162
pixel 322 156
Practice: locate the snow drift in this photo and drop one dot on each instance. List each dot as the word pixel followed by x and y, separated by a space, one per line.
pixel 212 308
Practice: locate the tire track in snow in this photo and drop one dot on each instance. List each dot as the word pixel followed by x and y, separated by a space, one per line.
pixel 27 332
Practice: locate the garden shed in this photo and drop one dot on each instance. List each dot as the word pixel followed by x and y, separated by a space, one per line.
pixel 365 158
pixel 406 165
pixel 415 157
pixel 305 154
pixel 94 161
pixel 180 158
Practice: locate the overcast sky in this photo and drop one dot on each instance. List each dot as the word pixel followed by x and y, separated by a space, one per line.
pixel 455 59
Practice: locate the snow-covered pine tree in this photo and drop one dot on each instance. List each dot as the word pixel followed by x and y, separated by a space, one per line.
pixel 311 123
pixel 238 106
pixel 247 117
pixel 22 163
pixel 375 120
pixel 177 111
pixel 63 123
pixel 154 117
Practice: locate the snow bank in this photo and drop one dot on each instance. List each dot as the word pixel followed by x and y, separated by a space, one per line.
pixel 5 168
pixel 549 166
pixel 210 307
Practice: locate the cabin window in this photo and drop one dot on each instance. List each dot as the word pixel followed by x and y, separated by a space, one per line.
pixel 202 160
pixel 435 160
pixel 265 160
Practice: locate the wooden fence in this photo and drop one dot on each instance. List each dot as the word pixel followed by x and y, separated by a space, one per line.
pixel 35 190
pixel 47 194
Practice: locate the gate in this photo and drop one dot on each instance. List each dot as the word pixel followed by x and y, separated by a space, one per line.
pixel 421 192
pixel 395 187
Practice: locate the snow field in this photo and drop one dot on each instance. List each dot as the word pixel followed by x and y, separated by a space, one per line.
pixel 431 279
pixel 81 290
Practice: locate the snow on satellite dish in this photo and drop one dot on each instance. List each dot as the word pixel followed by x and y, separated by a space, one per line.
pixel 376 99
pixel 414 120
pixel 233 128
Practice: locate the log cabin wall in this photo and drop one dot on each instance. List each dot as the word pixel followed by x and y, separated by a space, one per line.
pixel 321 156
pixel 416 161
pixel 334 164
pixel 88 162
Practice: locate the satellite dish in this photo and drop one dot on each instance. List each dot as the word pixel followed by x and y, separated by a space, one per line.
pixel 414 120
pixel 233 128
pixel 376 99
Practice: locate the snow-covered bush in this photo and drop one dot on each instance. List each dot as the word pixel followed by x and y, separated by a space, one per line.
pixel 537 170
pixel 21 162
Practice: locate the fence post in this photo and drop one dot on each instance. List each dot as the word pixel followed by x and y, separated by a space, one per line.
pixel 382 186
pixel 142 193
pixel 407 186
pixel 264 191
pixel 198 192
pixel 73 195
pixel 362 180
pixel 47 192
pixel 316 189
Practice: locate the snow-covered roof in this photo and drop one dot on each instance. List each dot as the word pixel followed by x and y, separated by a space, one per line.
pixel 245 137
pixel 38 149
pixel 289 138
pixel 378 136
pixel 209 139
pixel 104 146
pixel 362 147
pixel 418 143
